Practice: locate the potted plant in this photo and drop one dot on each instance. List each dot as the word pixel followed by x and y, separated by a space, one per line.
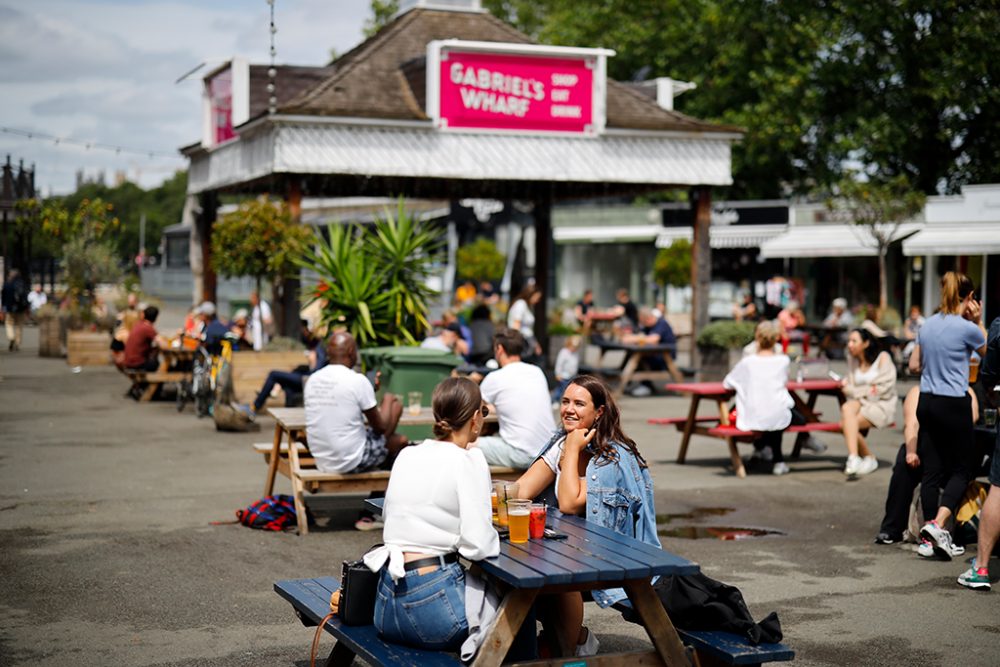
pixel 720 345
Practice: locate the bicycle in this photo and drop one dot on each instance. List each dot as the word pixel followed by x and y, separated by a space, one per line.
pixel 205 375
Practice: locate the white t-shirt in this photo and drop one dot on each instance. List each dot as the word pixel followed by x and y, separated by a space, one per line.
pixel 258 330
pixel 36 300
pixel 552 457
pixel 521 312
pixel 336 398
pixel 521 396
pixel 762 399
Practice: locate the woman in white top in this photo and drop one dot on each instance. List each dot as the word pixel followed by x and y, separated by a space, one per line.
pixel 521 316
pixel 870 389
pixel 437 507
pixel 763 403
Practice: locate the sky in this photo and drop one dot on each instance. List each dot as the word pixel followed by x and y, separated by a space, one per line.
pixel 104 71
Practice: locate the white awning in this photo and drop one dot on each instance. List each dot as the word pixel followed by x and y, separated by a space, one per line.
pixel 724 236
pixel 974 238
pixel 608 234
pixel 829 240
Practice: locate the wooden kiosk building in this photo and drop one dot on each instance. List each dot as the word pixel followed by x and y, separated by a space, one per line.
pixel 448 103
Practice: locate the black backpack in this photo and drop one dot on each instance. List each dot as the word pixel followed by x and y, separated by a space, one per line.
pixel 697 602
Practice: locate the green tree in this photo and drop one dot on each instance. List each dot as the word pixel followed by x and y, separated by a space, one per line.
pixel 480 260
pixel 382 12
pixel 672 265
pixel 903 88
pixel 261 240
pixel 880 208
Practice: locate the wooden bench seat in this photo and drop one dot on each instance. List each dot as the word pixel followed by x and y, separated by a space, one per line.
pixel 730 431
pixel 317 481
pixel 311 600
pixel 713 647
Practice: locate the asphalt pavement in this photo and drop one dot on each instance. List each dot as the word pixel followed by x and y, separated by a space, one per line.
pixel 109 552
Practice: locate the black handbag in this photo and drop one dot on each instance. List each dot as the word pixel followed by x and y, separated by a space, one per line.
pixel 358 586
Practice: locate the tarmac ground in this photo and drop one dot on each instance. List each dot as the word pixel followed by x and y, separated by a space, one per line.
pixel 110 556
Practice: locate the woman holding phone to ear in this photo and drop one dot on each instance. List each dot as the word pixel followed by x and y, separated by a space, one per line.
pixel 598 473
pixel 946 440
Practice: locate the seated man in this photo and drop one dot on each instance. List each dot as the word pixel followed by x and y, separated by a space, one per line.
pixel 338 400
pixel 449 340
pixel 655 331
pixel 519 393
pixel 212 330
pixel 143 341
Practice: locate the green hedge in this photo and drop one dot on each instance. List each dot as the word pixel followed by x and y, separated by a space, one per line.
pixel 726 334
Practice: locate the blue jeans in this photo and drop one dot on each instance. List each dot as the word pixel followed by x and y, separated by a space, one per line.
pixel 288 380
pixel 426 611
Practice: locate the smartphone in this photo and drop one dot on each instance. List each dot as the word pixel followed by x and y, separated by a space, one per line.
pixel 834 376
pixel 553 535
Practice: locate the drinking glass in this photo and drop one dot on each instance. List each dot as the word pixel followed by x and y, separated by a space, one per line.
pixel 414 401
pixel 536 521
pixel 519 514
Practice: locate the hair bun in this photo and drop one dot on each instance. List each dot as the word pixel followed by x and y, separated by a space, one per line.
pixel 442 428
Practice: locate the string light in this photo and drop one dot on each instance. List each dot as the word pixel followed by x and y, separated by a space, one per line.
pixel 87 145
pixel 272 72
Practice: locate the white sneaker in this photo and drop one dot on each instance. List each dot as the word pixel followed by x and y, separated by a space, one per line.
pixel 589 647
pixel 869 464
pixel 940 540
pixel 780 468
pixel 815 445
pixel 641 391
pixel 853 465
pixel 926 550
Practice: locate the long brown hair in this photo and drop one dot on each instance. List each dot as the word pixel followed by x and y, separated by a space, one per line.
pixel 454 402
pixel 955 287
pixel 608 425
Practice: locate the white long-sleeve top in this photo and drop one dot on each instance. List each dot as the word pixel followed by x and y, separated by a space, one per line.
pixel 762 399
pixel 437 502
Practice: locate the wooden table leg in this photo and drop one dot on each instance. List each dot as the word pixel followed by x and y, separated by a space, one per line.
pixel 272 465
pixel 513 610
pixel 675 372
pixel 630 365
pixel 688 428
pixel 734 452
pixel 656 622
pixel 340 656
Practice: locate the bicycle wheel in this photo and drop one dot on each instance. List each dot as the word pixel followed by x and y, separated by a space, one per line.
pixel 183 394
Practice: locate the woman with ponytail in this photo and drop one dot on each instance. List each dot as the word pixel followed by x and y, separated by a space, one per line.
pixel 437 507
pixel 945 446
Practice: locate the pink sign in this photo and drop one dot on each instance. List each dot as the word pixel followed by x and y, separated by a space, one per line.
pixel 220 93
pixel 516 92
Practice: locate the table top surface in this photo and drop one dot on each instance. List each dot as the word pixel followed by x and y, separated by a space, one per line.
pixel 719 389
pixel 634 347
pixel 294 419
pixel 590 554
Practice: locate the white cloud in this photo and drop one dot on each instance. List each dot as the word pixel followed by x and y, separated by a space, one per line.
pixel 104 71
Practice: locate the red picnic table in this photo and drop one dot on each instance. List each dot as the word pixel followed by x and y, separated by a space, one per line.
pixel 718 426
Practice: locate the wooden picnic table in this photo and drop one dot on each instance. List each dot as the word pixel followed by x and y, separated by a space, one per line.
pixel 175 366
pixel 289 454
pixel 717 391
pixel 636 353
pixel 591 557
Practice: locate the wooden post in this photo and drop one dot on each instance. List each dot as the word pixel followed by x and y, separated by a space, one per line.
pixel 543 262
pixel 205 221
pixel 287 310
pixel 701 263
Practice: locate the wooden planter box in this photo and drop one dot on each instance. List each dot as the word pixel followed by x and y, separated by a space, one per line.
pixel 88 348
pixel 49 344
pixel 250 369
pixel 717 362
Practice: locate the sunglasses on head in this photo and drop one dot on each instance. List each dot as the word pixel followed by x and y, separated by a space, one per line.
pixel 485 410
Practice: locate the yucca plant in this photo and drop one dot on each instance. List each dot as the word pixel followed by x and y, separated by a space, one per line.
pixel 373 282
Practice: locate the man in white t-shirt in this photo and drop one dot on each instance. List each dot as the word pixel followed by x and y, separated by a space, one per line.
pixel 260 321
pixel 337 400
pixel 519 393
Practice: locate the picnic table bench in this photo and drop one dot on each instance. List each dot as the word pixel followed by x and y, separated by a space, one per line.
pixel 590 557
pixel 289 454
pixel 175 366
pixel 718 426
pixel 634 354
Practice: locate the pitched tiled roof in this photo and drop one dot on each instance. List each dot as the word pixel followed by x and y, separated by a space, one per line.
pixel 383 77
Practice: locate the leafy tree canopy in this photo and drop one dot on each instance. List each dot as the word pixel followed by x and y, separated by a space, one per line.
pixel 673 264
pixel 903 88
pixel 480 260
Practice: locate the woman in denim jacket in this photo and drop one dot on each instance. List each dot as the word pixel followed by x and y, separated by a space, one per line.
pixel 597 473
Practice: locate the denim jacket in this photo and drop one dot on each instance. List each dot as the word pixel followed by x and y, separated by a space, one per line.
pixel 619 497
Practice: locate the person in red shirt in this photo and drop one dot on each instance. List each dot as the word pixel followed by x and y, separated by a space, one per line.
pixel 140 348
